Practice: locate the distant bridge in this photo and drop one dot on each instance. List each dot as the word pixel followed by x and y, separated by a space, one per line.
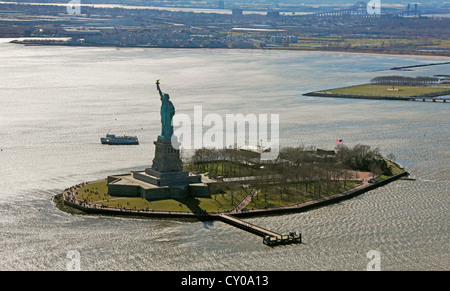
pixel 360 9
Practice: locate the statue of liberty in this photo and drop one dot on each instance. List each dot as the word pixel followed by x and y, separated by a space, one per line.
pixel 167 112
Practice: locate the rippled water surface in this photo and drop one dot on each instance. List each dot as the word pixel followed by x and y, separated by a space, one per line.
pixel 56 103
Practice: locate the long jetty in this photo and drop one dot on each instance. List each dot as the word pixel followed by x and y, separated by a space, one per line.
pixel 433 97
pixel 269 237
pixel 421 65
pixel 247 226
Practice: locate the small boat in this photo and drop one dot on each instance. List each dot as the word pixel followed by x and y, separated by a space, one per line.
pixel 112 139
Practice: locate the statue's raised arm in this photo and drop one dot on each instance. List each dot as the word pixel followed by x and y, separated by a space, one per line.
pixel 159 89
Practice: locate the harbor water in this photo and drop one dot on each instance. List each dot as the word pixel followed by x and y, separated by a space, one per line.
pixel 57 101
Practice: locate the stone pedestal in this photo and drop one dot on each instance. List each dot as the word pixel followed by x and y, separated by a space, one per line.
pixel 167 167
pixel 178 179
pixel 165 179
pixel 167 158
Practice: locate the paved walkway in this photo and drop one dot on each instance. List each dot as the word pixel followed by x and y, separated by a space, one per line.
pixel 244 202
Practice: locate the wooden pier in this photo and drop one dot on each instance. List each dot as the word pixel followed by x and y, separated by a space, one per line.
pixel 269 237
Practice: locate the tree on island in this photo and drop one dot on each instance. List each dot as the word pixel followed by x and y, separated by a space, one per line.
pixel 404 81
pixel 363 158
pixel 297 170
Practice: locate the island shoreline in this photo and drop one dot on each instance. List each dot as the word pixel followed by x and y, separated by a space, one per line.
pixel 85 208
pixel 435 96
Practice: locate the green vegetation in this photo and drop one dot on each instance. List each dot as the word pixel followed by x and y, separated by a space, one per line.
pixel 224 200
pixel 363 158
pixel 94 192
pixel 304 174
pixel 223 168
pixel 394 45
pixel 388 91
pixel 295 193
pixel 394 168
pixel 225 163
pixel 269 196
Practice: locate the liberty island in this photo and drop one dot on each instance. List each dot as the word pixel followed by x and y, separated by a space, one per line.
pixel 232 183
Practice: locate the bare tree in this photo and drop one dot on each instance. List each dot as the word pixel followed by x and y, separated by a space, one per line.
pixel 391 157
pixel 375 170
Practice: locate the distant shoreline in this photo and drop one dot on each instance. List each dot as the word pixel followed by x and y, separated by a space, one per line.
pixel 53 42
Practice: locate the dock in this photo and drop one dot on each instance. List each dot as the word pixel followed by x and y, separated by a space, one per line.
pixel 269 237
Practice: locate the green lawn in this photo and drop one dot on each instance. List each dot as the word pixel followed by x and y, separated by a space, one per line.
pixel 383 90
pixel 395 170
pixel 98 193
pixel 94 192
pixel 295 193
pixel 380 45
pixel 270 196
pixel 223 168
